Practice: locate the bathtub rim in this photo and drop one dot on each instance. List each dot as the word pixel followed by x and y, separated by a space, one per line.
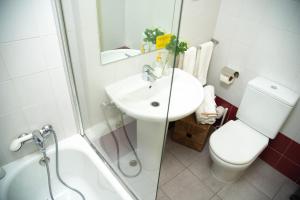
pixel 77 143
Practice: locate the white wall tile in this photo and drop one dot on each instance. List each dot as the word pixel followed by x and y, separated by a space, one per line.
pixel 247 32
pixel 294 25
pixel 51 51
pixel 296 82
pixel 41 114
pixel 226 28
pixel 197 14
pixel 231 7
pixel 23 57
pixel 61 94
pixel 43 13
pixel 238 55
pixel 291 127
pixel 254 10
pixel 290 49
pixel 9 100
pixel 283 14
pixel 17 20
pixel 3 72
pixel 34 89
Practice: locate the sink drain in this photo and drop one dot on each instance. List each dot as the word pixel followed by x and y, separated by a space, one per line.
pixel 155 104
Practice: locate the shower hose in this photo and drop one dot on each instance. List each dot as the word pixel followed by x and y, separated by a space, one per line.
pixel 117 143
pixel 57 170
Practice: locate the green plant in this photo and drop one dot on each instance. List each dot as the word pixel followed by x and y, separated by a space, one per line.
pixel 152 34
pixel 176 47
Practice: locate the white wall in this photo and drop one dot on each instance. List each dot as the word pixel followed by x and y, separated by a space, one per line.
pixel 33 87
pixel 130 18
pixel 142 14
pixel 198 20
pixel 112 24
pixel 260 38
pixel 138 17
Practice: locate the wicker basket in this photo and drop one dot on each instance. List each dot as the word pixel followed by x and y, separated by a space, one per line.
pixel 191 134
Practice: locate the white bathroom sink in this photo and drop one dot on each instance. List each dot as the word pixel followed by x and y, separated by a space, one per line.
pixel 135 96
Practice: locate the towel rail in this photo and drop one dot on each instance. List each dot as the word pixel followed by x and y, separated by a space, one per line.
pixel 216 42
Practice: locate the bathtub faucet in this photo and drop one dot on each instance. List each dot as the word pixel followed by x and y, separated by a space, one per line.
pixel 39 137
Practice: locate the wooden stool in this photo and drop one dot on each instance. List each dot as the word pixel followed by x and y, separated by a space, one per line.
pixel 191 134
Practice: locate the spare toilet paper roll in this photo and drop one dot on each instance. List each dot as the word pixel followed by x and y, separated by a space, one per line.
pixel 226 79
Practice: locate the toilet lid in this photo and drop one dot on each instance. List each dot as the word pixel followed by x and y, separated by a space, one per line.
pixel 237 143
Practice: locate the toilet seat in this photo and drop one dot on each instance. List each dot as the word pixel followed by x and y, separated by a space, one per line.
pixel 236 143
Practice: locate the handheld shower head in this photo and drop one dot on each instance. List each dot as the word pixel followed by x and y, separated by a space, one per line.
pixel 17 143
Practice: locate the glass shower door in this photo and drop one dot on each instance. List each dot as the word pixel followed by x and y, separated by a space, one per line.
pixel 124 107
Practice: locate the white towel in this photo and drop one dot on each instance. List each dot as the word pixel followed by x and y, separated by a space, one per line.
pixel 180 61
pixel 206 113
pixel 203 60
pixel 189 60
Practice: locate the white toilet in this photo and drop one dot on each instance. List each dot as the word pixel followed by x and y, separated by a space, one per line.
pixel 263 109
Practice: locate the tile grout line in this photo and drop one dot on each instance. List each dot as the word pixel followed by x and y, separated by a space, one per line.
pixel 39 35
pixel 172 178
pixel 287 147
pixel 165 194
pixel 257 189
pixel 179 172
pixel 282 155
pixel 203 182
pixel 179 159
pixel 216 195
pixel 277 192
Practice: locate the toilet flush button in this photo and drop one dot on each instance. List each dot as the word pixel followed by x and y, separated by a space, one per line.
pixel 274 87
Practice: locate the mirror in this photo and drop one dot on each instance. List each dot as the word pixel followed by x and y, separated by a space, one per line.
pixel 122 25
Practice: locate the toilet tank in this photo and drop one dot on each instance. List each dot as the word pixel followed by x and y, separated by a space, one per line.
pixel 266 105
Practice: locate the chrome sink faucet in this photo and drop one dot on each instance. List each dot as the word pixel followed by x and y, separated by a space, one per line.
pixel 148 74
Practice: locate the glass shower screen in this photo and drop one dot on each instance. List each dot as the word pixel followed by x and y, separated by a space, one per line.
pixel 124 105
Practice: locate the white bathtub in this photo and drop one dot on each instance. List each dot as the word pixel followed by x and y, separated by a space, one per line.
pixel 80 167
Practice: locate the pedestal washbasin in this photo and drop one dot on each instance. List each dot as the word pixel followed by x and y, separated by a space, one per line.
pixel 149 101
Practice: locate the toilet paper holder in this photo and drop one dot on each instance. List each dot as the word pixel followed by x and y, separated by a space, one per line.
pixel 228 75
pixel 230 72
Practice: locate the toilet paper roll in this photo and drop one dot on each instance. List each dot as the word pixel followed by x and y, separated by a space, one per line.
pixel 226 79
pixel 227 71
pixel 228 75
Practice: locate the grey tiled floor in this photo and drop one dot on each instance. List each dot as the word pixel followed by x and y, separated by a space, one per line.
pixel 185 175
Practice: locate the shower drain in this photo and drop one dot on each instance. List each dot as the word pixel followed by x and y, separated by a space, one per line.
pixel 133 163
